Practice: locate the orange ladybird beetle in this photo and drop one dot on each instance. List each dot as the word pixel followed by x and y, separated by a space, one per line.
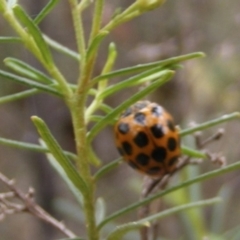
pixel 147 139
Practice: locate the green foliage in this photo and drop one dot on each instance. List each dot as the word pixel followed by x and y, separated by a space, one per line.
pixel 78 174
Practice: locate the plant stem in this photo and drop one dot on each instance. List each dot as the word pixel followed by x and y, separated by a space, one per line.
pixel 77 108
pixel 97 20
pixel 57 75
pixel 79 32
pixel 77 111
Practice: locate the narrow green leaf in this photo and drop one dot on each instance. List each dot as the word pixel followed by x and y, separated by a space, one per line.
pixel 142 67
pixel 107 168
pixel 203 177
pixel 30 147
pixel 22 145
pixel 111 59
pixel 136 97
pixel 83 5
pixel 208 124
pixel 62 49
pixel 93 158
pixel 97 101
pixel 35 33
pixel 10 40
pixel 91 91
pixel 45 11
pixel 52 43
pixel 125 228
pixel 192 152
pixel 18 96
pixel 55 164
pixel 108 66
pixel 95 44
pixel 96 118
pixel 100 210
pixel 26 70
pixel 59 155
pixel 105 108
pixel 28 82
pixel 146 76
pixel 183 207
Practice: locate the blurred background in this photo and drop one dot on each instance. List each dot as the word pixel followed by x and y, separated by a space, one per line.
pixel 204 89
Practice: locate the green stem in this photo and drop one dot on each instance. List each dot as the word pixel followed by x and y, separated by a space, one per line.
pixel 97 19
pixel 79 32
pixel 65 89
pixel 77 109
pixel 84 68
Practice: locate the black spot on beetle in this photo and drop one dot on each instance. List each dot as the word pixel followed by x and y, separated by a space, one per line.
pixel 157 131
pixel 141 139
pixel 159 154
pixel 127 148
pixel 142 159
pixel 172 144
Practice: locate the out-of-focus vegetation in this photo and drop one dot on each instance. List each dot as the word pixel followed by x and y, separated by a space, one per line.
pixel 202 90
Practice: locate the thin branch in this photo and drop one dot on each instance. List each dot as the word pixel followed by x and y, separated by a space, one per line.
pixel 28 205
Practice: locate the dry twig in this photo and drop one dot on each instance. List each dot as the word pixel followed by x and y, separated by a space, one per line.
pixel 8 206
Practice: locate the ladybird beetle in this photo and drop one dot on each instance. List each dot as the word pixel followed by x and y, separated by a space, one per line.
pixel 147 139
